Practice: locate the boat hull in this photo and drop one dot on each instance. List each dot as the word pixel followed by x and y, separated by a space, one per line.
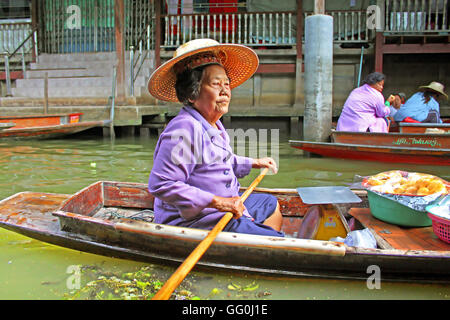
pixel 44 126
pixel 36 215
pixel 405 127
pixel 409 140
pixel 48 132
pixel 422 156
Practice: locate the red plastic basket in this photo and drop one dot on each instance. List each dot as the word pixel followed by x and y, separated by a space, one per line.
pixel 441 227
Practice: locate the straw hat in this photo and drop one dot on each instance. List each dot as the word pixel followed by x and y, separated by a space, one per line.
pixel 435 86
pixel 240 63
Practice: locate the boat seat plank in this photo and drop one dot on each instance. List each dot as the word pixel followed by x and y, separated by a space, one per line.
pixel 403 238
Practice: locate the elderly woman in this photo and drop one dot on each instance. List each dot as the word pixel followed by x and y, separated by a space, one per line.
pixel 423 106
pixel 195 173
pixel 365 108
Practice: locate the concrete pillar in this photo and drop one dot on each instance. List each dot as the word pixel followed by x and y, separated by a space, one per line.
pixel 318 52
pixel 128 131
pixel 107 132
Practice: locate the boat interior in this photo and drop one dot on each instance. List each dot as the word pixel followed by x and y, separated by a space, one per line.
pixel 117 201
pixel 114 201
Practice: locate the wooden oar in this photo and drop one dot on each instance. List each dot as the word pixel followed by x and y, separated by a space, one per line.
pixel 183 270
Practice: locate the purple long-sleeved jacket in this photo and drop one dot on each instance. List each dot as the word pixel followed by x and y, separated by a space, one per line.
pixel 193 161
pixel 364 109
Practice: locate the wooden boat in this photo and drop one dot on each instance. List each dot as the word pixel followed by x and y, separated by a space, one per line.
pixel 101 219
pixel 423 156
pixel 410 140
pixel 44 126
pixel 407 127
pixel 415 143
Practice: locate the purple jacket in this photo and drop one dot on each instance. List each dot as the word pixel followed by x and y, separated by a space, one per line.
pixel 193 161
pixel 364 109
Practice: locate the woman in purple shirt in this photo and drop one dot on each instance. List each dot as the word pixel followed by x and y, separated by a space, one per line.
pixel 195 173
pixel 365 109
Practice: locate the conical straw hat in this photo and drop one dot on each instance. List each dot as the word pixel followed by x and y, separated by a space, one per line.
pixel 240 63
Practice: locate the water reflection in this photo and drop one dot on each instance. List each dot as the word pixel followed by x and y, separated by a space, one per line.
pixel 30 269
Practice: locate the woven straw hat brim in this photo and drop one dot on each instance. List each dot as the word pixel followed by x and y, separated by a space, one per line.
pixel 240 64
pixel 428 87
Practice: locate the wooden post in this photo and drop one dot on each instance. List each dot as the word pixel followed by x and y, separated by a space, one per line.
pixel 46 93
pixel 299 103
pixel 299 29
pixel 157 33
pixel 379 41
pixel 319 6
pixel 34 24
pixel 119 18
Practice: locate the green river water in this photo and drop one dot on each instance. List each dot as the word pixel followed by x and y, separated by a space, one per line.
pixel 32 270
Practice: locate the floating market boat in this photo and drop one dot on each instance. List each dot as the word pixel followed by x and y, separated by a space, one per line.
pixel 408 127
pixel 422 156
pixel 44 126
pixel 415 143
pixel 393 139
pixel 114 219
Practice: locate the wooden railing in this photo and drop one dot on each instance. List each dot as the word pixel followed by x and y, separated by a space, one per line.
pixel 251 29
pixel 28 41
pixel 263 29
pixel 94 30
pixel 417 16
pixel 140 38
pixel 139 24
pixel 350 26
pixel 12 33
pixel 255 29
pixel 76 26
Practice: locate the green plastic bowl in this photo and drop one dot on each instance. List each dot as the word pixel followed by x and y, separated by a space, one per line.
pixel 393 212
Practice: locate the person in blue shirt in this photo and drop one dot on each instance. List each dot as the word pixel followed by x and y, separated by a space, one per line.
pixel 423 106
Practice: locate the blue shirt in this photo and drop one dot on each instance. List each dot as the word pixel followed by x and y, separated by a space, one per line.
pixel 416 108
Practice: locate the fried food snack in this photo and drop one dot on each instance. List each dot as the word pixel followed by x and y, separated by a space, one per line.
pixel 407 183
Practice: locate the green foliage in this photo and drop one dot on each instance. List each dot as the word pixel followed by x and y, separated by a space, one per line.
pixel 139 285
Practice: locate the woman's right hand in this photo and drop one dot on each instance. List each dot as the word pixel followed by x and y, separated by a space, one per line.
pixel 391 99
pixel 235 205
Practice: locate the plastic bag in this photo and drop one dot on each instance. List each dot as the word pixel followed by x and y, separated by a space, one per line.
pixel 358 238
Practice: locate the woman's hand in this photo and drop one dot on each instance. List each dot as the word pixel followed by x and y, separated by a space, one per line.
pixel 235 205
pixel 265 163
pixel 391 99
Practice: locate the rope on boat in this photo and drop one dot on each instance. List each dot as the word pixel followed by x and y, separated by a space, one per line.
pixel 146 215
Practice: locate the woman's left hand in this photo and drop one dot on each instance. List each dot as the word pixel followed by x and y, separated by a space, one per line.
pixel 265 163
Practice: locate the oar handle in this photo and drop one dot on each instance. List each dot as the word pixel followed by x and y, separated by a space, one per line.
pixel 174 281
